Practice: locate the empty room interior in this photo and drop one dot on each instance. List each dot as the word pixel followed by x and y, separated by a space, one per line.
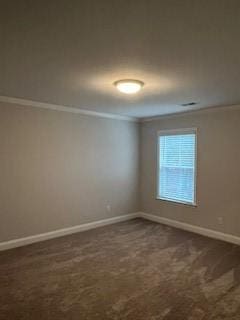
pixel 120 160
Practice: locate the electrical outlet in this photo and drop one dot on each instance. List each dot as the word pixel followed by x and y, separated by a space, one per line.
pixel 108 208
pixel 220 220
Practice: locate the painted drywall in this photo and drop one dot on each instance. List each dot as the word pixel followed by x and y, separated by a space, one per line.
pixel 218 169
pixel 60 169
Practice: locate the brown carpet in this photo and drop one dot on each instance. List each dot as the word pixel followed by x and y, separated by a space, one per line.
pixel 133 270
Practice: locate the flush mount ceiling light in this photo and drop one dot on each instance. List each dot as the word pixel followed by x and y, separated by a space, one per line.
pixel 129 86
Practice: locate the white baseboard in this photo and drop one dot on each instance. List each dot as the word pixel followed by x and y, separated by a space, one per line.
pixel 189 227
pixel 92 225
pixel 62 232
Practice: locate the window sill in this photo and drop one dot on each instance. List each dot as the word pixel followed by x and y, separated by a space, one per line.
pixel 177 202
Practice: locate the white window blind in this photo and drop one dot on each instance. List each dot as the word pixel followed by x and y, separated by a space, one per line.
pixel 177 166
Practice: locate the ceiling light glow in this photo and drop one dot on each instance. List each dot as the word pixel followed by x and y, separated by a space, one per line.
pixel 129 86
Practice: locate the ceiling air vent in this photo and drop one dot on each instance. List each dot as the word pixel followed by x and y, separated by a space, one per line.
pixel 188 104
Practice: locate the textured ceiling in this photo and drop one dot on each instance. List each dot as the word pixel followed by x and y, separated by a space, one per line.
pixel 70 53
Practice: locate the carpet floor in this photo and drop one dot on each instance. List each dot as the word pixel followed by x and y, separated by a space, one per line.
pixel 136 270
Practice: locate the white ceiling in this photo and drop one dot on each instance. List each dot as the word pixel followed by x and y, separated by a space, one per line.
pixel 70 53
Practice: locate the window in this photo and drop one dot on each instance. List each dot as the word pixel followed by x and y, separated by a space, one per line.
pixel 177 166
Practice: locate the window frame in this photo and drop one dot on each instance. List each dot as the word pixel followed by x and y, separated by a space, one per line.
pixel 177 132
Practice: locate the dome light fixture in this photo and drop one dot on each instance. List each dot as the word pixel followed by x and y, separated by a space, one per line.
pixel 129 86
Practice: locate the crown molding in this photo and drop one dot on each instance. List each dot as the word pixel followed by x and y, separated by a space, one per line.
pixel 189 112
pixel 56 107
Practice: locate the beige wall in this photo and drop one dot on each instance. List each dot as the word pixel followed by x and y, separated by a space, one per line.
pixel 60 169
pixel 218 181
